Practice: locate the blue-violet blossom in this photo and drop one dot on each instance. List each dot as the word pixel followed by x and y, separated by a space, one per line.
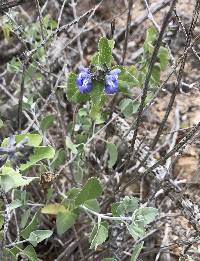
pixel 84 80
pixel 111 81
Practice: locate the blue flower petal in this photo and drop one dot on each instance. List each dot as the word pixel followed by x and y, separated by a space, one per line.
pixel 111 81
pixel 115 72
pixel 84 80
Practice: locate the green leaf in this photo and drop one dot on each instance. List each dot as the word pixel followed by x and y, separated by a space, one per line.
pixel 98 98
pixel 40 153
pixel 29 251
pixel 47 122
pixel 91 190
pixel 136 251
pixel 53 209
pixel 72 90
pixel 58 159
pixel 163 56
pixel 114 209
pixel 31 227
pixel 156 73
pixel 128 76
pixel 127 205
pixel 9 178
pixel 38 236
pixel 128 107
pixel 92 204
pixel 71 145
pixel 1 221
pixel 136 230
pixel 113 154
pixel 98 235
pixel 34 139
pixel 151 35
pixel 15 204
pixel 64 221
pixel 105 47
pixel 146 214
pixel 24 218
pixel 13 252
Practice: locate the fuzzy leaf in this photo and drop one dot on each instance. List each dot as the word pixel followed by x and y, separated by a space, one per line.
pixel 91 190
pixel 31 227
pixel 136 230
pixel 136 251
pixel 29 251
pixel 71 145
pixel 40 153
pixel 99 235
pixel 146 214
pixel 64 221
pixel 163 56
pixel 38 236
pixel 113 154
pixel 9 178
pixel 53 209
pixel 47 122
pixel 105 47
pixel 34 139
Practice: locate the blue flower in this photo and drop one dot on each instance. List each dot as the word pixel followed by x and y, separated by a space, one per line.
pixel 111 81
pixel 84 80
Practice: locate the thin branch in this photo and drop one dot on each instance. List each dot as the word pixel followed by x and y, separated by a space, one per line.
pixel 128 23
pixel 148 77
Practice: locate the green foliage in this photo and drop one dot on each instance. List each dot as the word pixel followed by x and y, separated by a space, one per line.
pixel 136 229
pixel 146 214
pixel 136 251
pixel 71 145
pixel 38 236
pixel 141 217
pixel 113 153
pixel 127 205
pixel 91 190
pixel 9 179
pixel 53 209
pixel 150 39
pixel 28 252
pixel 128 107
pixel 33 139
pixel 25 233
pixel 64 221
pixel 59 159
pixel 47 122
pixel 98 235
pixel 90 112
pixel 92 204
pixel 39 154
pixel 97 96
pixel 1 221
pixel 104 55
pixel 72 91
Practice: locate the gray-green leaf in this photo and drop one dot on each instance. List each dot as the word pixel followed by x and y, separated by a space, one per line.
pixel 38 236
pixel 136 251
pixel 113 153
pixel 99 235
pixel 64 221
pixel 91 190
